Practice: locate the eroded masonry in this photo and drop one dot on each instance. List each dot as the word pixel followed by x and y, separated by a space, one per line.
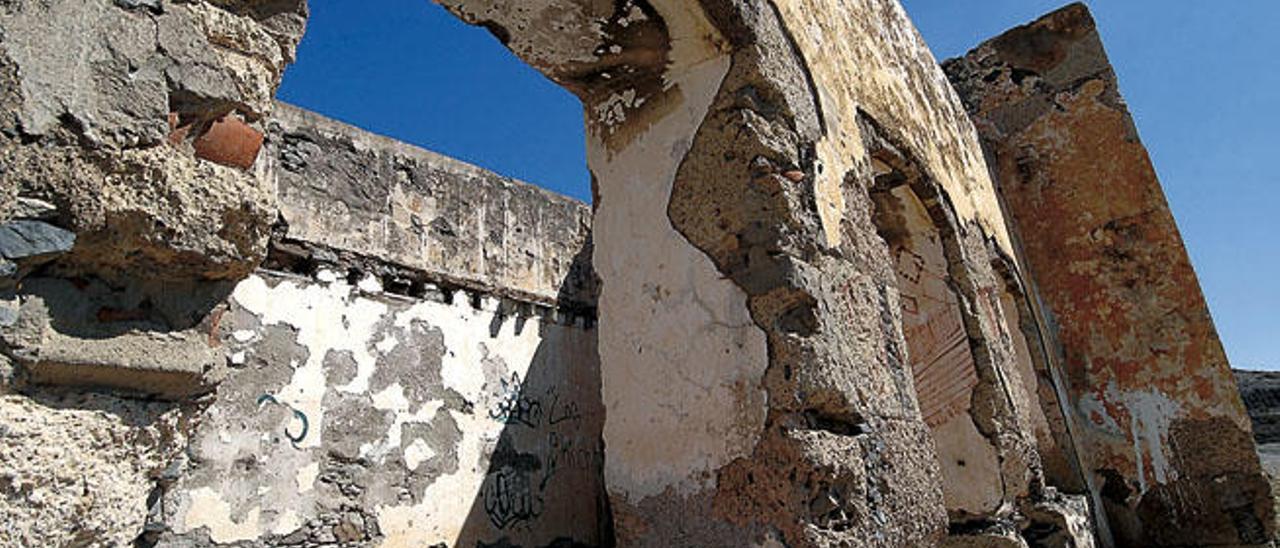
pixel 829 293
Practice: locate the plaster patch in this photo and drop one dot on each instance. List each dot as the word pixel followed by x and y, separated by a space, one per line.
pixel 393 399
pixel 209 509
pixel 307 475
pixel 671 366
pixel 416 453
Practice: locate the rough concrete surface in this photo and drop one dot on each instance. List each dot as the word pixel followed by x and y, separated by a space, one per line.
pixel 77 469
pixel 1167 438
pixel 356 192
pixel 102 104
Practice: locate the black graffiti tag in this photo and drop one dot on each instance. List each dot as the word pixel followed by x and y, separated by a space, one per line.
pixel 561 411
pixel 508 492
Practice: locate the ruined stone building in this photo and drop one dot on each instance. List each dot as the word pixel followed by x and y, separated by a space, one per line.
pixel 829 293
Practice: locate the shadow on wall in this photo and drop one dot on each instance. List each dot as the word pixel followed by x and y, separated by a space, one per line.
pixel 398 417
pixel 544 477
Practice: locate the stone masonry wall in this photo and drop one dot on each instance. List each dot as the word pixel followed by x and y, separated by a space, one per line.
pixel 389 403
pixel 1166 436
pixel 129 207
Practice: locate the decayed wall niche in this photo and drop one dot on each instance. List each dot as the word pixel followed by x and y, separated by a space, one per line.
pixel 1166 435
pixel 938 346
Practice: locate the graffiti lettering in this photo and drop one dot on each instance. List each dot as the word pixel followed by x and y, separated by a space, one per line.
pixel 514 407
pixel 562 411
pixel 509 496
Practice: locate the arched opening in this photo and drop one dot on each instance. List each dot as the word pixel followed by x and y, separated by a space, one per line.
pixel 412 71
pixel 938 347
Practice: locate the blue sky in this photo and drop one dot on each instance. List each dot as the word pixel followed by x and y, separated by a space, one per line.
pixel 1200 77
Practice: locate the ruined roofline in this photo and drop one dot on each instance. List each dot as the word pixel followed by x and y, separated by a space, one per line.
pixel 366 204
pixel 294 115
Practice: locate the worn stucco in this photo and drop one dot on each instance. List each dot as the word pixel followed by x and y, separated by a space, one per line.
pixel 1147 376
pixel 395 422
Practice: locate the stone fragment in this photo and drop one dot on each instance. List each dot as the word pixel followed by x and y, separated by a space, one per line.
pixel 58 339
pixel 96 111
pixel 8 310
pixel 230 142
pixel 28 239
pixel 152 210
pixel 1058 521
pixel 31 208
pixel 153 5
pixel 995 536
pixel 350 529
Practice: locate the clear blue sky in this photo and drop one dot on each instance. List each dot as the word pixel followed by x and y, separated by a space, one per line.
pixel 1201 77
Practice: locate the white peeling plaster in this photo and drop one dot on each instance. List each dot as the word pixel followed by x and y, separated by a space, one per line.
pixel 416 453
pixel 306 477
pixel 334 316
pixel 448 501
pixel 215 513
pixel 326 318
pixel 393 399
pixel 1151 413
pixel 681 357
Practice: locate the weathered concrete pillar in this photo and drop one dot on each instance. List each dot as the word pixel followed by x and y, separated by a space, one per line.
pixel 1166 436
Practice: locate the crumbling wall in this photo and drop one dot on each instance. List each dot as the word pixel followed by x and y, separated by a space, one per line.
pixel 732 176
pixel 1165 434
pixel 351 415
pixel 348 340
pixel 127 212
pixel 337 396
pixel 378 396
pixel 140 121
pixel 381 383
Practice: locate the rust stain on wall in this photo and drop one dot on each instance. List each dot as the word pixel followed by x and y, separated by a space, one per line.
pixel 1141 355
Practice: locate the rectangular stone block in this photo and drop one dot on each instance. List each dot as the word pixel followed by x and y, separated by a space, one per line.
pixel 83 334
pixel 1165 434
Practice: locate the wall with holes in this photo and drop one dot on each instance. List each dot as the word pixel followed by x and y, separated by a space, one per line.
pixel 351 414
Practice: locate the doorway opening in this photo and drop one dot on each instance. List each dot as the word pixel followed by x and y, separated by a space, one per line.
pixel 412 71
